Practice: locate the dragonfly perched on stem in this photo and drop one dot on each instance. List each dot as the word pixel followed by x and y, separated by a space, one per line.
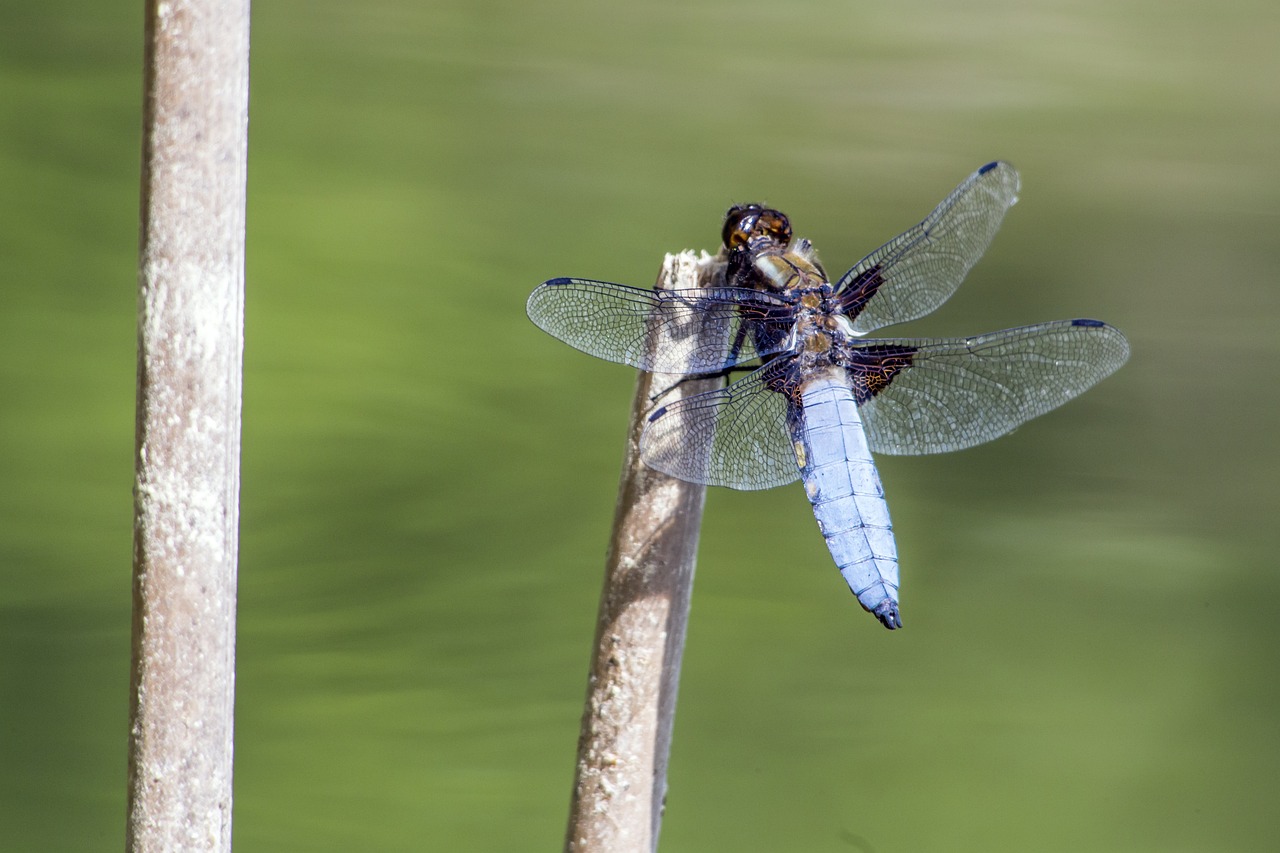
pixel 824 396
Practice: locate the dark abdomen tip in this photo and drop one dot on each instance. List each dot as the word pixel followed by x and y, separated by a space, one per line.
pixel 887 613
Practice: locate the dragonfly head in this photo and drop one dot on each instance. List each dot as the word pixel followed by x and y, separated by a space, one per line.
pixel 755 225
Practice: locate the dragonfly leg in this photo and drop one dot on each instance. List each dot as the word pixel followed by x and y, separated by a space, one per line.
pixel 719 374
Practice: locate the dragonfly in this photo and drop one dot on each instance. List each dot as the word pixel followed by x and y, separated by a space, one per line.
pixel 821 396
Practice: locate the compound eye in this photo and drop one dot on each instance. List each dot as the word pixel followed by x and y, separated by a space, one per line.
pixel 775 224
pixel 739 224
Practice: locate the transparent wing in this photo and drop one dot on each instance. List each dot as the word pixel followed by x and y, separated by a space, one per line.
pixel 734 436
pixel 917 271
pixel 950 394
pixel 692 330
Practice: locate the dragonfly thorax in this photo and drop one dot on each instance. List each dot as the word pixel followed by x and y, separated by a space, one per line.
pixel 792 271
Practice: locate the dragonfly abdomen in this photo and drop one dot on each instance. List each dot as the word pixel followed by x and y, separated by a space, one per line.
pixel 842 484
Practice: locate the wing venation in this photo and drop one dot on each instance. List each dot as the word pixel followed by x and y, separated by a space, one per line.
pixel 917 271
pixel 694 330
pixel 735 436
pixel 966 391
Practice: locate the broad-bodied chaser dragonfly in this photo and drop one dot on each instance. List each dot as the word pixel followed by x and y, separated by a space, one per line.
pixel 825 397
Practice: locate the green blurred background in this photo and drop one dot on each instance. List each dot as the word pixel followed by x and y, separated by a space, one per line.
pixel 1090 655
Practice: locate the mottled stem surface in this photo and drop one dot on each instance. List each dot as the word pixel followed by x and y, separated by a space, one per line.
pixel 621 780
pixel 187 467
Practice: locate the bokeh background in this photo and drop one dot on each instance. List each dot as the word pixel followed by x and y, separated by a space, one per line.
pixel 1090 655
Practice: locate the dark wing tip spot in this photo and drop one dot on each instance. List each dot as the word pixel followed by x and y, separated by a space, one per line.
pixel 657 413
pixel 1089 324
pixel 552 282
pixel 988 167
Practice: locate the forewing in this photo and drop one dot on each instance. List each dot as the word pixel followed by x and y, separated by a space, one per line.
pixel 734 436
pixel 917 271
pixel 694 330
pixel 942 395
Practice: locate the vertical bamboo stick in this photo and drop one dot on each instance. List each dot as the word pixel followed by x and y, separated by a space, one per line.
pixel 620 785
pixel 187 477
